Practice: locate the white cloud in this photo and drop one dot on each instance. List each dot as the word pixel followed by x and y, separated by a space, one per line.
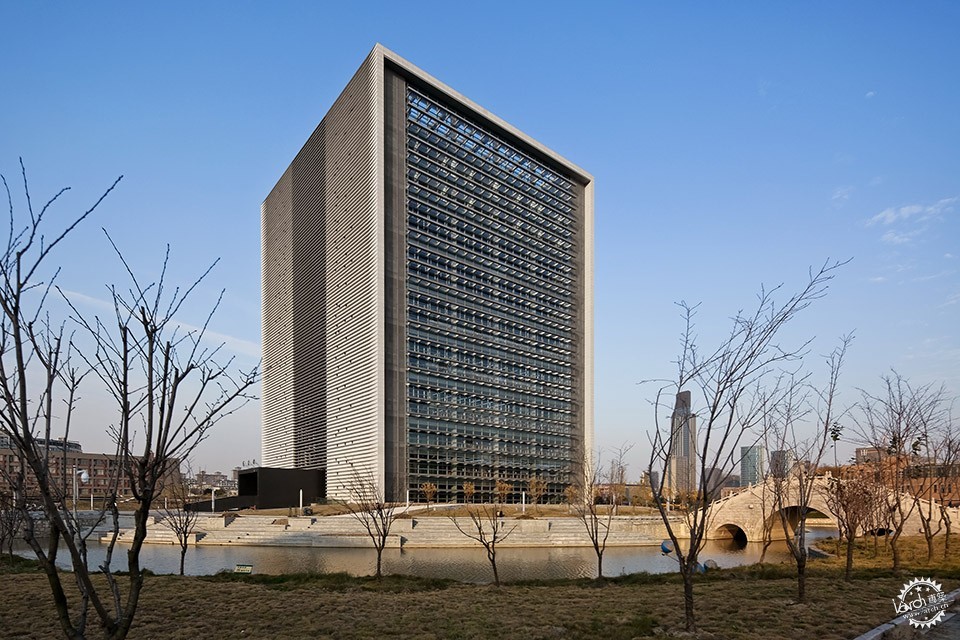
pixel 75 297
pixel 841 195
pixel 894 237
pixel 878 279
pixel 918 212
pixel 953 298
pixel 237 345
pixel 933 276
pixel 870 94
pixel 949 256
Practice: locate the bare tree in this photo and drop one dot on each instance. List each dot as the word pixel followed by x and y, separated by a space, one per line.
pixel 368 505
pixel 571 493
pixel 501 491
pixel 949 480
pixel 169 391
pixel 429 491
pixel 850 500
pixel 536 488
pixel 731 382
pixel 469 490
pixel 181 521
pixel 487 527
pixel 587 498
pixel 10 520
pixel 896 424
pixel 616 479
pixel 793 490
pixel 924 476
pixel 767 517
pixel 877 519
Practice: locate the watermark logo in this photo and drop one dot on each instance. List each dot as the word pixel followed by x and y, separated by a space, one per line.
pixel 923 601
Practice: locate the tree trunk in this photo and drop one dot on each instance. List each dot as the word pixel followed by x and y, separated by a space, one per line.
pixel 183 555
pixel 848 571
pixel 946 541
pixel 929 549
pixel 896 552
pixel 766 545
pixel 379 563
pixel 802 579
pixel 496 576
pixel 599 565
pixel 691 624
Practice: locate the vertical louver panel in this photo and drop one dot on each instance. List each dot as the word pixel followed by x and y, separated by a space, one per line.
pixel 277 281
pixel 353 281
pixel 309 355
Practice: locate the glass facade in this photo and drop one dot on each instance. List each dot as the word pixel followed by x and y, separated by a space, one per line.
pixel 491 317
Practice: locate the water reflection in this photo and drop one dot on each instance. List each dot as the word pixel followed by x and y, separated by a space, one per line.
pixel 466 565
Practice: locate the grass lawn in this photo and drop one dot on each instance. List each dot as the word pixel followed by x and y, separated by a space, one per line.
pixel 744 603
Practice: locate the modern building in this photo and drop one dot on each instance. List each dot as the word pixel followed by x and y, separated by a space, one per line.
pixel 681 468
pixel 718 479
pixel 781 463
pixel 427 297
pixel 752 464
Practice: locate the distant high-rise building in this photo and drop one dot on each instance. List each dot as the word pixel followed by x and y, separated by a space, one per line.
pixel 781 462
pixel 717 480
pixel 752 464
pixel 427 297
pixel 654 479
pixel 681 476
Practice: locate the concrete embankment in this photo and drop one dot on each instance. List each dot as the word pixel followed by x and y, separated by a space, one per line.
pixel 409 532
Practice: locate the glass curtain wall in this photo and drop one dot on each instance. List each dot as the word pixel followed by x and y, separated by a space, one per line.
pixel 491 260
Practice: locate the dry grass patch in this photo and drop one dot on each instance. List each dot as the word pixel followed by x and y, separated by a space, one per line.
pixel 913 553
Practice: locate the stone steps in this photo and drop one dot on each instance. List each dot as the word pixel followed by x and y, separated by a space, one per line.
pixel 345 531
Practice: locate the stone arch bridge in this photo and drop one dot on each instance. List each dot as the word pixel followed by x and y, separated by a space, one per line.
pixel 743 516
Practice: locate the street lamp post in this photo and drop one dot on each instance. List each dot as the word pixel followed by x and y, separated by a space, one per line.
pixel 84 477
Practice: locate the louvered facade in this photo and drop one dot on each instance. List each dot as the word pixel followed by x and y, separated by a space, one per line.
pixel 427 297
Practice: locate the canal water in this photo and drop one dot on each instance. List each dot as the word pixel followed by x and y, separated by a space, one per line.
pixel 463 564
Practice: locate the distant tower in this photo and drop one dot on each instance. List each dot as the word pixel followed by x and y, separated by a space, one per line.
pixel 681 476
pixel 752 463
pixel 781 463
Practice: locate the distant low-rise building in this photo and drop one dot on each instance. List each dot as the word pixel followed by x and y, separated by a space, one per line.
pixel 940 482
pixel 68 459
pixel 864 455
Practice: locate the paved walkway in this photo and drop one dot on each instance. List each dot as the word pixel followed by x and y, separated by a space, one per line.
pixel 948 629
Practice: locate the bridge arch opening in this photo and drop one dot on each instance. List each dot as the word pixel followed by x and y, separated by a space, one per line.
pixel 793 519
pixel 732 532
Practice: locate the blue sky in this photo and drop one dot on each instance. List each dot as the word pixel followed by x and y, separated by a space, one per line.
pixel 733 145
